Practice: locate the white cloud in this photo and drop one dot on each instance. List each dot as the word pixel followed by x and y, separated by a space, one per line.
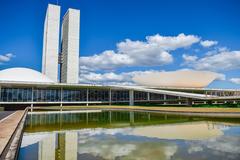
pixel 188 58
pixel 226 60
pixel 124 78
pixel 224 144
pixel 154 51
pixel 106 60
pixel 217 50
pixel 208 43
pixel 195 148
pixel 226 147
pixel 6 57
pixel 115 148
pixel 157 41
pixel 221 77
pixel 235 80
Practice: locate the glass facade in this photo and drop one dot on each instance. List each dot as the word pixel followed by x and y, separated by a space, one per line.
pixel 74 95
pixel 46 95
pixel 120 95
pixel 170 97
pixel 98 95
pixel 57 94
pixel 154 96
pixel 16 94
pixel 140 96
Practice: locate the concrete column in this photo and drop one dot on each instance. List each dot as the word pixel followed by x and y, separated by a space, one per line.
pixel 32 100
pixel 110 96
pixel 148 96
pixel 131 98
pixel 179 100
pixel 32 107
pixel 87 96
pixel 234 102
pixel 164 98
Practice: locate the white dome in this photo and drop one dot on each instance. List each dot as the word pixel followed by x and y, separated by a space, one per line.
pixel 23 75
pixel 178 79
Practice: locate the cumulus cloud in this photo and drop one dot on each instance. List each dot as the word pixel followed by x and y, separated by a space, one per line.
pixel 6 57
pixel 216 50
pixel 235 80
pixel 189 58
pixel 115 146
pixel 124 78
pixel 225 60
pixel 208 43
pixel 154 51
pixel 225 144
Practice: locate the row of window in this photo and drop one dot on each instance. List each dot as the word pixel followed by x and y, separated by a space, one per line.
pixel 223 93
pixel 55 95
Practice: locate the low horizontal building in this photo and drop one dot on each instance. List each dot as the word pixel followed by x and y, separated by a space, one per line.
pixel 27 87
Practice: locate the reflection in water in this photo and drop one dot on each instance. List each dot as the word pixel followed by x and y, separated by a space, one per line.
pixel 46 147
pixel 51 146
pixel 187 131
pixel 128 135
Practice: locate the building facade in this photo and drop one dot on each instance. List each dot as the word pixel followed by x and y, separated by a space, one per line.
pixel 51 42
pixel 70 47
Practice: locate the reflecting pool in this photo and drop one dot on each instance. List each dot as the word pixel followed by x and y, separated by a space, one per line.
pixel 128 135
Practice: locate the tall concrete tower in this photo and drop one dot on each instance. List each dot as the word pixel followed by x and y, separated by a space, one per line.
pixel 51 42
pixel 70 47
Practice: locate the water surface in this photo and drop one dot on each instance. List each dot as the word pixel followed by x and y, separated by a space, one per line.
pixel 129 135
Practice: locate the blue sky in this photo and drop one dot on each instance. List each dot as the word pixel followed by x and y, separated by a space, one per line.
pixel 106 23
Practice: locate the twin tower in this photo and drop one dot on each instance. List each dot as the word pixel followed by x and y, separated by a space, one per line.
pixel 63 59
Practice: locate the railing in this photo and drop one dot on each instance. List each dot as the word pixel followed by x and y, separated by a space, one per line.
pixel 10 151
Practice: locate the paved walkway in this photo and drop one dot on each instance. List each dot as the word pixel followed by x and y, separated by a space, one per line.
pixel 7 128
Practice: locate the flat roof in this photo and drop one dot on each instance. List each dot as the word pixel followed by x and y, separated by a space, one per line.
pixel 79 85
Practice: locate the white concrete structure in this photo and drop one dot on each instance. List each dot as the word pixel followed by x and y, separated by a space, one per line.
pixel 23 75
pixel 51 42
pixel 46 149
pixel 177 79
pixel 70 46
pixel 71 145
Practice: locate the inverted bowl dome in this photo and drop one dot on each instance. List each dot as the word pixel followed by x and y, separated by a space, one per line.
pixel 178 79
pixel 23 75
